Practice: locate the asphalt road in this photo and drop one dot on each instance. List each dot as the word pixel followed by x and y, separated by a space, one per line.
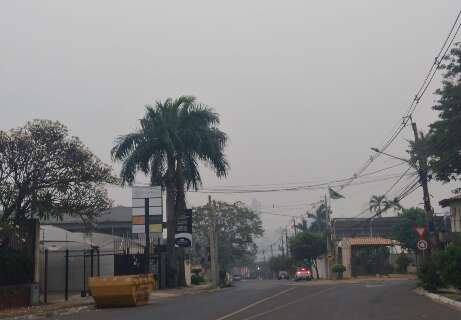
pixel 283 300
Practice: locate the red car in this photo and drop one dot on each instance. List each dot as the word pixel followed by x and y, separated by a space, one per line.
pixel 303 273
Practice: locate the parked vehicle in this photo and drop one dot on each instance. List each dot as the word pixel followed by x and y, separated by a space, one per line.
pixel 236 277
pixel 303 273
pixel 283 275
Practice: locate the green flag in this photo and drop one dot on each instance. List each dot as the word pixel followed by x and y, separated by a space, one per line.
pixel 334 195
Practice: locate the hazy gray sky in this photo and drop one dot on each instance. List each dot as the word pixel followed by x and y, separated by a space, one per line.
pixel 304 88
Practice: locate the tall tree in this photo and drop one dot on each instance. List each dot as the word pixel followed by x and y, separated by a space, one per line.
pixel 238 228
pixel 404 231
pixel 175 136
pixel 46 173
pixel 444 140
pixel 308 246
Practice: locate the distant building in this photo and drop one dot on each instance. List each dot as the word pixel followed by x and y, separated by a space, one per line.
pixel 455 209
pixel 115 221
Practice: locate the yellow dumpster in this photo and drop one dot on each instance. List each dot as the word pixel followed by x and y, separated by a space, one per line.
pixel 121 291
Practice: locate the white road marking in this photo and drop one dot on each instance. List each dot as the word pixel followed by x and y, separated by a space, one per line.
pixel 288 304
pixel 255 304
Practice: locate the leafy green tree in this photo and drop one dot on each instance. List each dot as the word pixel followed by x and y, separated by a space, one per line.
pixel 175 136
pixel 238 227
pixel 307 246
pixel 444 139
pixel 45 173
pixel 404 231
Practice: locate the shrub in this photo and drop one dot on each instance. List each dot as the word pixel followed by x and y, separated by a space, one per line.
pixel 449 262
pixel 196 279
pixel 402 263
pixel 428 274
pixel 339 270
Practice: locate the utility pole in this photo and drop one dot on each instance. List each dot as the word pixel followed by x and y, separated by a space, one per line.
pixel 422 171
pixel 213 243
pixel 272 252
pixel 327 217
pixel 286 241
pixel 282 247
pixel 294 227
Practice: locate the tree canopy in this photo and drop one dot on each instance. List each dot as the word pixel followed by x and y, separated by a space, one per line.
pixel 444 139
pixel 238 228
pixel 307 246
pixel 404 231
pixel 46 173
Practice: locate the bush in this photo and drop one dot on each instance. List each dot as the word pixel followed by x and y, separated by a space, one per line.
pixel 196 279
pixel 339 270
pixel 428 274
pixel 449 262
pixel 402 263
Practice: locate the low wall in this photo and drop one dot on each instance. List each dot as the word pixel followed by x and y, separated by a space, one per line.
pixel 15 296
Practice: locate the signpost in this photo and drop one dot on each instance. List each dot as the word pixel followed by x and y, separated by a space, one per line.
pixel 422 245
pixel 183 233
pixel 152 215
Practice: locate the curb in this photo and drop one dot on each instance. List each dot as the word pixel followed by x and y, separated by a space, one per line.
pixel 46 313
pixel 439 299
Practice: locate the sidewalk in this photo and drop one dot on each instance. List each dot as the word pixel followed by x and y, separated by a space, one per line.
pixel 57 306
pixel 356 280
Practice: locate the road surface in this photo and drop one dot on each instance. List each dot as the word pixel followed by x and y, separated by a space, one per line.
pixel 284 300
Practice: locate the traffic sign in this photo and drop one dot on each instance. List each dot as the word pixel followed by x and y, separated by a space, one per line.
pixel 422 245
pixel 421 231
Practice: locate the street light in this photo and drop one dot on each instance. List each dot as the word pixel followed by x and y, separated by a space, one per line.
pixel 411 163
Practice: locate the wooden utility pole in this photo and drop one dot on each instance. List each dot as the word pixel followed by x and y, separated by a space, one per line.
pixel 422 171
pixel 213 243
pixel 294 227
pixel 328 235
pixel 282 246
pixel 286 241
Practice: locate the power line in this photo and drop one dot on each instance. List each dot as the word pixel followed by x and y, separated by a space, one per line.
pixel 398 128
pixel 295 188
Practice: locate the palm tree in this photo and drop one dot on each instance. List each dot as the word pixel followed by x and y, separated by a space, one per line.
pixel 380 204
pixel 319 223
pixel 175 136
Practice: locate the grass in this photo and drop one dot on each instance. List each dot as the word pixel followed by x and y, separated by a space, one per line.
pixel 450 294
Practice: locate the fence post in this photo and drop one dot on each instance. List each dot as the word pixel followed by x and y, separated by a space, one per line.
pixel 66 282
pixel 91 262
pixel 45 278
pixel 83 292
pixel 99 262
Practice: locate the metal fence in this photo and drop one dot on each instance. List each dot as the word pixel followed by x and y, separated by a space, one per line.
pixel 17 253
pixel 66 272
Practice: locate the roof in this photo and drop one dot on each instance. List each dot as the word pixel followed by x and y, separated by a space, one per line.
pixel 115 214
pixel 446 202
pixel 369 241
pixel 55 238
pixel 362 227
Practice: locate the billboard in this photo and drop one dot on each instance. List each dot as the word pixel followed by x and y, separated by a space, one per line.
pixel 183 232
pixel 155 200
